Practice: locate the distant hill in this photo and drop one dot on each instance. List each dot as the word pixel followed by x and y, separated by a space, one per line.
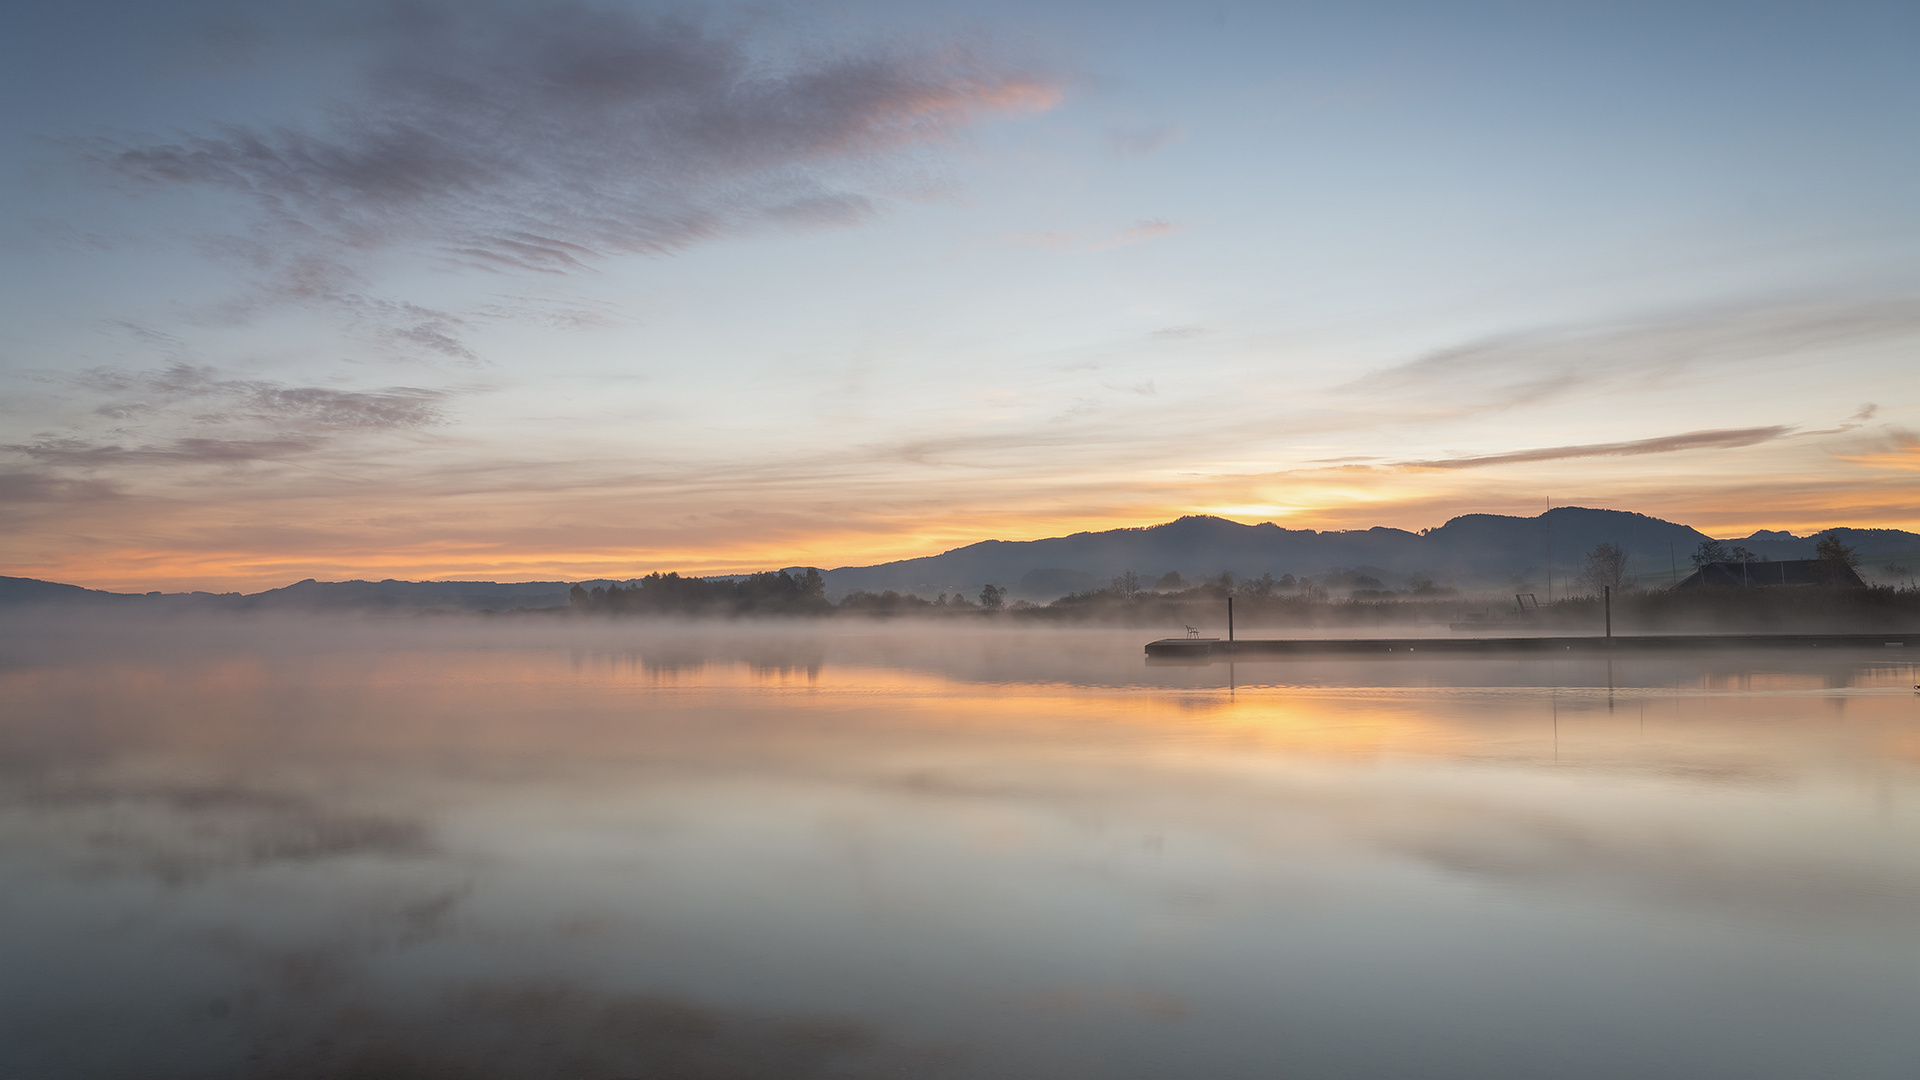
pixel 449 595
pixel 1471 551
pixel 311 595
pixel 20 590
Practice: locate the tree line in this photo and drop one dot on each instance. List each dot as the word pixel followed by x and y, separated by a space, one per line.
pixel 1607 565
pixel 773 592
pixel 787 592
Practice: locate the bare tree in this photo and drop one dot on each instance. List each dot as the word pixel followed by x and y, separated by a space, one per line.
pixel 1128 584
pixel 1606 568
pixel 992 596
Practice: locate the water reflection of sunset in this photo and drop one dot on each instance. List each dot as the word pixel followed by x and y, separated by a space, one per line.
pixel 799 690
pixel 1017 845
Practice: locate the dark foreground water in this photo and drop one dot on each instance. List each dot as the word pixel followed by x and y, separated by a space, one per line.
pixel 453 849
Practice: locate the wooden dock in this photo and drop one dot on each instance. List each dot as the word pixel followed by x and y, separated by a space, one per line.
pixel 1215 648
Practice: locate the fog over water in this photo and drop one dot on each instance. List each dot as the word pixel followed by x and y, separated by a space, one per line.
pixel 457 847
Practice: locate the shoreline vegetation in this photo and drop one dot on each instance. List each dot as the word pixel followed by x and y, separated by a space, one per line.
pixel 1270 603
pixel 1730 589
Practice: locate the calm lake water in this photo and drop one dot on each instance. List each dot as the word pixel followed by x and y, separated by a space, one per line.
pixel 464 849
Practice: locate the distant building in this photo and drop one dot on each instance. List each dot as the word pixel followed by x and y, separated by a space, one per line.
pixel 1765 575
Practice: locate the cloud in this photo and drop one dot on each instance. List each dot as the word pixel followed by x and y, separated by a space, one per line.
pixel 151 336
pixel 1859 419
pixel 1665 444
pixel 556 314
pixel 1527 368
pixel 407 325
pixel 18 486
pixel 1080 407
pixel 1895 448
pixel 80 453
pixel 348 409
pixel 551 136
pixel 187 415
pixel 265 400
pixel 1140 140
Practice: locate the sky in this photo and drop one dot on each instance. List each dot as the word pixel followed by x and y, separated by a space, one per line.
pixel 554 290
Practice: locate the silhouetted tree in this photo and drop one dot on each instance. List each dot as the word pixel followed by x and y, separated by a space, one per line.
pixel 1171 580
pixel 1709 551
pixel 1127 585
pixel 1834 557
pixel 1606 568
pixel 992 596
pixel 884 603
pixel 778 591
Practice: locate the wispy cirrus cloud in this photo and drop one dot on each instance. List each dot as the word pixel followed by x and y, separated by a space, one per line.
pixel 550 136
pixel 1530 368
pixel 1897 449
pixel 87 454
pixel 185 415
pixel 20 486
pixel 1665 444
pixel 1859 419
pixel 263 400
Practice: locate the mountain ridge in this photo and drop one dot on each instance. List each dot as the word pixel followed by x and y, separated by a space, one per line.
pixel 1469 551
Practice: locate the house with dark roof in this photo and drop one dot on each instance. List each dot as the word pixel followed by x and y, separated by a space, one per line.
pixel 1765 575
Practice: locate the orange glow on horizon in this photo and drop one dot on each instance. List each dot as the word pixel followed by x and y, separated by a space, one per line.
pixel 264 536
pixel 165 567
